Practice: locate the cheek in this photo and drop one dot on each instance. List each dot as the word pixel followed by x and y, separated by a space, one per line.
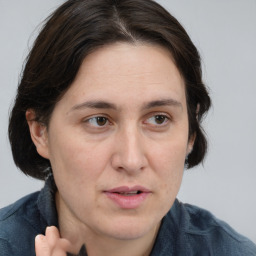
pixel 77 168
pixel 169 155
pixel 77 159
pixel 168 162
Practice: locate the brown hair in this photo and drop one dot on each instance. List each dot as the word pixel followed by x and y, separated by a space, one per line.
pixel 79 27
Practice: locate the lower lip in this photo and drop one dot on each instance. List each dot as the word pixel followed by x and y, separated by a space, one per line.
pixel 128 202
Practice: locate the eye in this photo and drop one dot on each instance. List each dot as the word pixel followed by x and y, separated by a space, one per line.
pixel 98 121
pixel 158 120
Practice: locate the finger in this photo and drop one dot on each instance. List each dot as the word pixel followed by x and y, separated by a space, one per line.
pixel 61 248
pixel 64 245
pixel 41 246
pixel 52 236
pixel 58 246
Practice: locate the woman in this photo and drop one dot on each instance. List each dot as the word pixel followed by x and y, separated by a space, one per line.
pixel 108 112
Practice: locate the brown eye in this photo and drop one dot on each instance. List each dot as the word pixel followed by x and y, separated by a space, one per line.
pixel 160 119
pixel 101 121
pixel 98 121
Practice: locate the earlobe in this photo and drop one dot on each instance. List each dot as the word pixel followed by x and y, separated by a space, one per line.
pixel 38 133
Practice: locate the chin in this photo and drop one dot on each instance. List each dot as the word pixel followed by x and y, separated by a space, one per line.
pixel 128 234
pixel 131 230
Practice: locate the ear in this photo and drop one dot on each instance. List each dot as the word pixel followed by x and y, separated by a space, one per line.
pixel 38 133
pixel 191 143
pixel 197 110
pixel 193 136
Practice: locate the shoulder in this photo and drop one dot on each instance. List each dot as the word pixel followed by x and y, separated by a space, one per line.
pixel 202 228
pixel 19 223
pixel 19 212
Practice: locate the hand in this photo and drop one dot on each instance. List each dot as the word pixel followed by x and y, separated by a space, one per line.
pixel 51 244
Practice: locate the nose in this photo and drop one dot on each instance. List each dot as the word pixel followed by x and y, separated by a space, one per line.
pixel 130 151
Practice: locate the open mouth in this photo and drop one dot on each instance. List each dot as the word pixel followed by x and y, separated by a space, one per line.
pixel 128 198
pixel 131 193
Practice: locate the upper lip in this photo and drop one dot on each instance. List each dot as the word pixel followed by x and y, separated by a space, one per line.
pixel 127 189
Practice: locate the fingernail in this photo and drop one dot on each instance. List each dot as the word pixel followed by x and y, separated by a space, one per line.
pixel 39 238
pixel 48 228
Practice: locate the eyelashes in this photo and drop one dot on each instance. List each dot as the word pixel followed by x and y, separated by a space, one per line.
pixel 98 121
pixel 155 120
pixel 159 119
pixel 102 121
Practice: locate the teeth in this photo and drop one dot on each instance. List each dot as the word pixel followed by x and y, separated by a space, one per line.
pixel 129 193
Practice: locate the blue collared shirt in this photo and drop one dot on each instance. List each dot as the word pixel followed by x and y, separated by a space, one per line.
pixel 186 230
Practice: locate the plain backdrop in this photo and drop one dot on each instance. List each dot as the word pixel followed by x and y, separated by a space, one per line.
pixel 225 34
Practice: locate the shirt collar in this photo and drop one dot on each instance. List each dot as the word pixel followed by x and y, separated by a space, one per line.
pixel 166 239
pixel 46 202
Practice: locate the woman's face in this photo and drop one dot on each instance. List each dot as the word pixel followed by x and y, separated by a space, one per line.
pixel 117 141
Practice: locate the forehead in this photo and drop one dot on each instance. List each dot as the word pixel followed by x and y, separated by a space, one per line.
pixel 124 70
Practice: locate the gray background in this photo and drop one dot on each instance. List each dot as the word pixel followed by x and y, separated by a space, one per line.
pixel 225 34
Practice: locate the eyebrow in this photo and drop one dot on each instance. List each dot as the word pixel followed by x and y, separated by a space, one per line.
pixel 107 105
pixel 163 102
pixel 94 105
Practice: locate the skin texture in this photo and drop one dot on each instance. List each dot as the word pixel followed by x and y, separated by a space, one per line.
pixel 51 244
pixel 123 122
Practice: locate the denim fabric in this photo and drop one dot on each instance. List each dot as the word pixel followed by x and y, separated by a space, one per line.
pixel 186 230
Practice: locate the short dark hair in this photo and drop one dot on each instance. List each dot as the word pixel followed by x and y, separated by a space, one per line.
pixel 79 27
